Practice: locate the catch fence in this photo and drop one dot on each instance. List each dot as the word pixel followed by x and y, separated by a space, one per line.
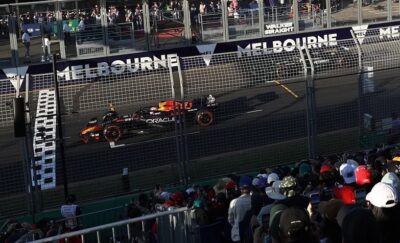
pixel 272 107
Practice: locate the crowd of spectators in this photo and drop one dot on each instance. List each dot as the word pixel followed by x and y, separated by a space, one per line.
pixel 346 198
pixel 341 198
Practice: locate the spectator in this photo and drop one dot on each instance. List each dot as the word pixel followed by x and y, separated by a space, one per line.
pixel 295 226
pixel 272 178
pixel 384 204
pixel 202 8
pixel 67 33
pixel 46 48
pixel 81 29
pixel 70 212
pixel 288 188
pixel 359 226
pixel 96 15
pixel 26 40
pixel 81 25
pixel 239 207
pixel 330 231
pixel 393 180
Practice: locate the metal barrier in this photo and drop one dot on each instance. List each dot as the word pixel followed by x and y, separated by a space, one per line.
pixel 173 226
pixel 311 96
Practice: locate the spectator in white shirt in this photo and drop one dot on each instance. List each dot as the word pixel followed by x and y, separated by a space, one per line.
pixel 26 40
pixel 239 207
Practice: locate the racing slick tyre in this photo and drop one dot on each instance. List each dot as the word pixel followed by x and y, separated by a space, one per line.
pixel 112 133
pixel 204 118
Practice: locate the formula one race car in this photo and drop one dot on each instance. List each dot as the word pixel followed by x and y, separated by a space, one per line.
pixel 114 126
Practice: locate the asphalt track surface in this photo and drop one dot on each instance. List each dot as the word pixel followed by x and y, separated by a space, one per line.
pixel 245 118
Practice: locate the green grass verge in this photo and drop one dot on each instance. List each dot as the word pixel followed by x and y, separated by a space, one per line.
pixel 201 170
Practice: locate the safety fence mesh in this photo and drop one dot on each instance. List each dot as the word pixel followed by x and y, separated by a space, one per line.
pixel 231 112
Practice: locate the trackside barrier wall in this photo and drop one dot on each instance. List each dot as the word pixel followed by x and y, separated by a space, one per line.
pixel 274 106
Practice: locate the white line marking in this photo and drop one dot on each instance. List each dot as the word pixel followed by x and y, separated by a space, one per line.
pixel 253 111
pixel 113 145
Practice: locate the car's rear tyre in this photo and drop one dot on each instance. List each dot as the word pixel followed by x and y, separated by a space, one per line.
pixel 204 118
pixel 112 133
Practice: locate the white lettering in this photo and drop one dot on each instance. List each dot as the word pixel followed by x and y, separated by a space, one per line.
pixel 246 50
pixel 160 120
pixel 312 42
pixel 90 72
pixel 289 45
pixel 277 45
pixel 102 69
pixel 146 63
pixel 384 32
pixel 256 46
pixel 395 31
pixel 118 67
pixel 77 72
pixel 136 65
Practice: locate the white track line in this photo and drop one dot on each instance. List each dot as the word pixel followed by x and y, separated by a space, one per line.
pixel 113 145
pixel 254 111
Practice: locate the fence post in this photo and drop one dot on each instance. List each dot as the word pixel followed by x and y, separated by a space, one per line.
pixel 104 27
pixel 328 14
pixel 389 8
pixel 60 27
pixel 261 16
pixel 60 127
pixel 12 22
pixel 187 22
pixel 295 19
pixel 146 23
pixel 225 23
pixel 184 141
pixel 311 108
pixel 178 123
pixel 360 83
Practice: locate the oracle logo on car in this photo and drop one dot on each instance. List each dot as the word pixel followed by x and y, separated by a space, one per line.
pixel 160 120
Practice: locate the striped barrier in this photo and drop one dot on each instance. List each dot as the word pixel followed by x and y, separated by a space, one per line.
pixel 44 141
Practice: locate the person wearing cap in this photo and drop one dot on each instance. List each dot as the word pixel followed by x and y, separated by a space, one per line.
pixel 295 226
pixel 393 180
pixel 272 178
pixel 384 204
pixel 346 192
pixel 239 207
pixel 327 181
pixel 288 188
pixel 274 220
pixel 199 213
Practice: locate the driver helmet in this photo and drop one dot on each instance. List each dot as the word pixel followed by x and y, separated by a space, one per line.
pixel 153 108
pixel 210 98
